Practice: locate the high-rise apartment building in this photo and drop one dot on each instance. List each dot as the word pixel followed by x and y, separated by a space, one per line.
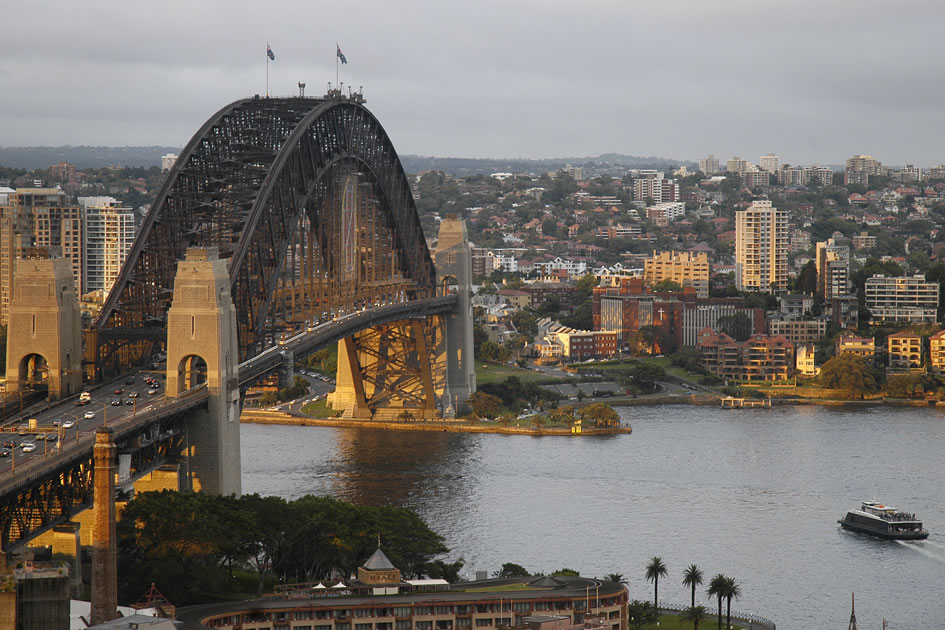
pixel 168 160
pixel 937 172
pixel 709 165
pixel 761 248
pixel 109 235
pixel 860 168
pixel 833 269
pixel 901 299
pixel 42 219
pixel 652 185
pixel 687 269
pixel 736 165
pixel 769 162
pixel 756 178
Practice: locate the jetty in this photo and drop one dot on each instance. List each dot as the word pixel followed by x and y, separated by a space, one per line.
pixel 731 402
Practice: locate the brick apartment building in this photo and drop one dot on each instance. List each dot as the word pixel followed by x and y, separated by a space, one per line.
pixel 760 358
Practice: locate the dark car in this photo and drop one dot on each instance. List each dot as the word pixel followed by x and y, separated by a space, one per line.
pixel 8 444
pixel 4 453
pixel 118 392
pixel 130 401
pixel 116 403
pixel 130 380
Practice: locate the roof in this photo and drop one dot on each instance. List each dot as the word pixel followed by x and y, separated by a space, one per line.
pixel 547 582
pixel 378 562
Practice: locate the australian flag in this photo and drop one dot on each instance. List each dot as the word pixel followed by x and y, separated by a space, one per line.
pixel 269 52
pixel 341 55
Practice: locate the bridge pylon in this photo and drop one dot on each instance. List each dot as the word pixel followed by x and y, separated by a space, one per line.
pixel 44 341
pixel 453 260
pixel 202 347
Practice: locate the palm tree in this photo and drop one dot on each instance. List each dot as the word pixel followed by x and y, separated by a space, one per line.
pixel 717 589
pixel 654 571
pixel 616 578
pixel 732 591
pixel 692 577
pixel 695 614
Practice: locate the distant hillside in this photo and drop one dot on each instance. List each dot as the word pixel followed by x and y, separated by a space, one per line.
pixel 481 166
pixel 98 157
pixel 82 156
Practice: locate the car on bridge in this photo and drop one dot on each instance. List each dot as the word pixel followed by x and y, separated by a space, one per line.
pixel 89 415
pixel 153 391
pixel 4 453
pixel 68 424
pixel 28 447
pixel 116 402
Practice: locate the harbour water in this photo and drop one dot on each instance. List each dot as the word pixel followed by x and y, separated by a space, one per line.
pixel 753 494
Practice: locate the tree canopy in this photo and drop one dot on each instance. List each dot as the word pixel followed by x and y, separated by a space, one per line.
pixel 851 373
pixel 190 544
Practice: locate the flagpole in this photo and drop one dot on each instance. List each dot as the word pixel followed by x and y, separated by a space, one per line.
pixel 267 69
pixel 337 58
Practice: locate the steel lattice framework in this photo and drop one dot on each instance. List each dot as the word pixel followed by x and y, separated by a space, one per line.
pixel 308 200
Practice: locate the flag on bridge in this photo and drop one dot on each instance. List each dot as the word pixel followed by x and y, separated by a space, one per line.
pixel 341 55
pixel 269 53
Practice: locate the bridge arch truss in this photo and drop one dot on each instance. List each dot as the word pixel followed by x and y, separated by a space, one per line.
pixel 305 197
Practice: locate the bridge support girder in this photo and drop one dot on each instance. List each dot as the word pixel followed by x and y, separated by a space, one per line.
pixel 395 371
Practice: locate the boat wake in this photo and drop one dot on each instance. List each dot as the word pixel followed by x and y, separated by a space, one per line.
pixel 923 548
pixel 937 545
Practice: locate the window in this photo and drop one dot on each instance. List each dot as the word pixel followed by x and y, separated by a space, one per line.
pixel 402 624
pixel 423 625
pixel 443 610
pixel 422 610
pixel 480 623
pixel 402 611
pixel 363 626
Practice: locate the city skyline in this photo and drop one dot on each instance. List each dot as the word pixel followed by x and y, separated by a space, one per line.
pixel 813 85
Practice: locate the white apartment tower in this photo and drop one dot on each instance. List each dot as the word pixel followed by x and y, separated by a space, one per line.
pixel 769 162
pixel 109 235
pixel 761 248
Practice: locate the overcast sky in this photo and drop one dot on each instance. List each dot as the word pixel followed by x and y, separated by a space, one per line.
pixel 811 80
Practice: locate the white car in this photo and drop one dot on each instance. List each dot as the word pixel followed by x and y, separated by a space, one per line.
pixel 153 391
pixel 68 424
pixel 89 415
pixel 28 447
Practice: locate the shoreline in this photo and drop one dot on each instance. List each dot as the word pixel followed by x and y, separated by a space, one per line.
pixel 280 417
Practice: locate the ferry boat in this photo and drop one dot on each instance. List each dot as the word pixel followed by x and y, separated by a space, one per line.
pixel 884 521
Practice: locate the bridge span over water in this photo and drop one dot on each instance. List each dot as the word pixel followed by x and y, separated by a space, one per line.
pixel 287 224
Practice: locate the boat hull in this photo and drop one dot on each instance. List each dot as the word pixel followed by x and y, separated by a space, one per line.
pixel 910 535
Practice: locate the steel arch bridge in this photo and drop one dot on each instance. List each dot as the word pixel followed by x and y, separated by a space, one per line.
pixel 307 199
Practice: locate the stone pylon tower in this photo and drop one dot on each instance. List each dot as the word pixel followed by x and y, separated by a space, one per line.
pixel 104 547
pixel 202 344
pixel 44 340
pixel 453 260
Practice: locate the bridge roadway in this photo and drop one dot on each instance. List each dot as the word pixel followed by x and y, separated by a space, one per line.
pixel 321 335
pixel 19 469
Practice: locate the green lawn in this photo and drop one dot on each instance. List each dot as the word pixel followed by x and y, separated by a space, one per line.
pixel 504 587
pixel 319 409
pixel 628 364
pixel 495 373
